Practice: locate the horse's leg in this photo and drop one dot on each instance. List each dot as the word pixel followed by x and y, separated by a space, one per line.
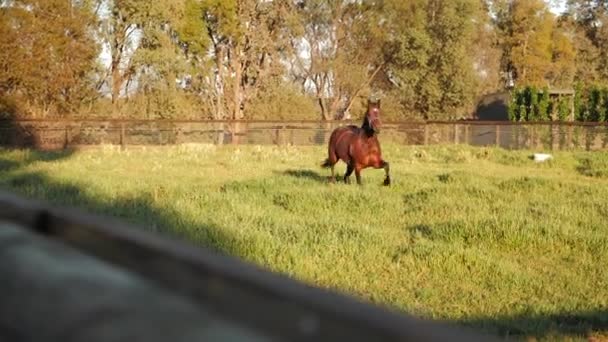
pixel 387 169
pixel 349 171
pixel 358 169
pixel 333 174
pixel 331 162
pixel 381 164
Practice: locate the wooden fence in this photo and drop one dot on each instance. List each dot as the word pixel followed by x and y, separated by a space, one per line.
pixel 69 276
pixel 72 133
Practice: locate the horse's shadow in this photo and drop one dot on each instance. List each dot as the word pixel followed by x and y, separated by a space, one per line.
pixel 306 174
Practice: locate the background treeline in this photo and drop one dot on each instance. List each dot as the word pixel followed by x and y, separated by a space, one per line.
pixel 295 59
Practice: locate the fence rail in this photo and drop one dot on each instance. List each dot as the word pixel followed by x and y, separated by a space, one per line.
pixel 64 133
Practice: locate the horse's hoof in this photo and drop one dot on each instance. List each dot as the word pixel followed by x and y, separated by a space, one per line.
pixel 387 181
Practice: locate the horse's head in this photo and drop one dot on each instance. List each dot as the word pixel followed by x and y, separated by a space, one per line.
pixel 372 117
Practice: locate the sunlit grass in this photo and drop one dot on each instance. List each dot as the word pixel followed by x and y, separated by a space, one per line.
pixel 481 236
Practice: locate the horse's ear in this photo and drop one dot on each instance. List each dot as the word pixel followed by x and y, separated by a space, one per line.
pixel 373 100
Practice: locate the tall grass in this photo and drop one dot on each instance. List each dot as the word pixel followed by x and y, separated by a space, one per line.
pixel 481 236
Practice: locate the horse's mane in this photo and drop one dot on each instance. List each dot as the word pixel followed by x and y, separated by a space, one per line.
pixel 367 127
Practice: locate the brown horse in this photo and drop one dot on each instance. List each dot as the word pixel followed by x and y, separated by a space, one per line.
pixel 358 147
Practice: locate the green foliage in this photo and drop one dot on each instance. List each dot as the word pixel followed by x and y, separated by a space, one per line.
pixel 193 29
pixel 281 102
pixel 563 109
pixel 595 100
pixel 512 109
pixel 534 110
pixel 590 104
pixel 526 29
pixel 579 106
pixel 544 106
pixel 589 19
pixel 429 58
pixel 47 57
pixel 595 104
pixel 433 59
pixel 523 112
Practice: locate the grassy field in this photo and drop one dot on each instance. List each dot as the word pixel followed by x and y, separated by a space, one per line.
pixel 480 236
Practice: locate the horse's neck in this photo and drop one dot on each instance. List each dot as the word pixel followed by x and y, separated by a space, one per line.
pixel 367 127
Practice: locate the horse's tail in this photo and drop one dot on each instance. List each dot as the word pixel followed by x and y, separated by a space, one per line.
pixel 326 164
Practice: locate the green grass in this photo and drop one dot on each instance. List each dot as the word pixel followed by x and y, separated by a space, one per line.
pixel 480 236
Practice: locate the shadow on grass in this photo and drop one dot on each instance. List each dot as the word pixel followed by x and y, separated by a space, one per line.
pixel 308 174
pixel 577 324
pixel 140 210
pixel 143 211
pixel 23 158
pixel 13 134
pixel 596 168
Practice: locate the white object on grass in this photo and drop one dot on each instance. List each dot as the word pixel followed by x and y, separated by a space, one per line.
pixel 541 157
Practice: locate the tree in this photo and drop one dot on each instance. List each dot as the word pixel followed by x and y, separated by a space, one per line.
pixel 538 50
pixel 121 31
pixel 527 28
pixel 590 18
pixel 47 55
pixel 333 47
pixel 487 53
pixel 246 40
pixel 433 65
pixel 563 66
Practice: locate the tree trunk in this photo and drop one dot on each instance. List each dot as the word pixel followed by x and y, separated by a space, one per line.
pixel 369 81
pixel 333 107
pixel 324 111
pixel 219 88
pixel 237 99
pixel 116 79
pixel 118 46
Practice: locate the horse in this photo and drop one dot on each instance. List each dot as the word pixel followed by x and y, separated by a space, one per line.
pixel 358 147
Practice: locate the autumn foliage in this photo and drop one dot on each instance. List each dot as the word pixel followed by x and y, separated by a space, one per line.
pixel 294 59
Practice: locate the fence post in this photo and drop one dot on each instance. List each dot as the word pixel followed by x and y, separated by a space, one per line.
pixel 122 135
pixel 426 133
pixel 276 136
pixel 497 135
pixel 554 137
pixel 455 133
pixel 235 132
pixel 41 137
pixel 67 137
pixel 531 137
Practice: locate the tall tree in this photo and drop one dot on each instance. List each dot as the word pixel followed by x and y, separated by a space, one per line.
pixel 487 52
pixel 47 54
pixel 563 68
pixel 246 41
pixel 590 18
pixel 538 49
pixel 125 25
pixel 338 51
pixel 527 28
pixel 434 67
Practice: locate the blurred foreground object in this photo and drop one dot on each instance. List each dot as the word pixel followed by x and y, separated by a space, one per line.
pixel 70 276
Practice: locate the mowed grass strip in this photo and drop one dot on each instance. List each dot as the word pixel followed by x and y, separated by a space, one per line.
pixel 481 236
